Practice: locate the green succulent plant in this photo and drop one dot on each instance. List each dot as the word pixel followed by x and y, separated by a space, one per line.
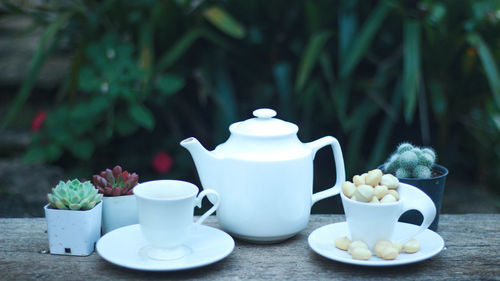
pixel 74 195
pixel 409 161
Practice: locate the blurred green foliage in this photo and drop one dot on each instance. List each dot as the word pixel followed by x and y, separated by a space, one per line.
pixel 145 74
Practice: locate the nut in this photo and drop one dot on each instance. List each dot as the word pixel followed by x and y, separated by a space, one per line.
pixel 361 253
pixel 356 244
pixel 373 177
pixel 375 200
pixel 348 188
pixel 380 191
pixel 386 250
pixel 412 246
pixel 394 193
pixel 398 246
pixel 364 193
pixel 390 181
pixel 389 198
pixel 342 243
pixel 381 245
pixel 389 253
pixel 358 180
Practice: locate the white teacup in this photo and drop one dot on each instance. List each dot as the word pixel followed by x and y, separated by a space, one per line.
pixel 166 209
pixel 371 223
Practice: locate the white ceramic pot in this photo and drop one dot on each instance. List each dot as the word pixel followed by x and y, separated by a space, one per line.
pixel 264 176
pixel 73 232
pixel 118 211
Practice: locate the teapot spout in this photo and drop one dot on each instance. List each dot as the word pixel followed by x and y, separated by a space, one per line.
pixel 205 161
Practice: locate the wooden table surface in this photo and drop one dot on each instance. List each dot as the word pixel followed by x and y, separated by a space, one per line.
pixel 472 252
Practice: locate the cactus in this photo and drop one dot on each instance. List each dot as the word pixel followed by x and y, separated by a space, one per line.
pixel 74 195
pixel 409 161
pixel 115 182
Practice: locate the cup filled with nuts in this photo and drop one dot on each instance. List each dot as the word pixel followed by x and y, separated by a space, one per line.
pixel 373 203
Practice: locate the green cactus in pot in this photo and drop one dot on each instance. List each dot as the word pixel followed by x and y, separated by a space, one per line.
pixel 409 161
pixel 115 182
pixel 74 195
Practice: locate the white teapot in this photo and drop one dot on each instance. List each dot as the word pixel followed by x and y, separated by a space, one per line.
pixel 264 176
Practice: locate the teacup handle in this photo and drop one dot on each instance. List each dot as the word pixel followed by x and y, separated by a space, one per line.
pixel 339 166
pixel 215 200
pixel 419 202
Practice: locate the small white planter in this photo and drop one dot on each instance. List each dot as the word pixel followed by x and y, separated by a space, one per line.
pixel 118 211
pixel 73 232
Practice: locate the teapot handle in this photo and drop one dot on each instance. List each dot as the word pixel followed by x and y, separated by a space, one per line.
pixel 339 166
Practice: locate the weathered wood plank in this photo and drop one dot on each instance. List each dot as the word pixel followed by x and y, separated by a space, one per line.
pixel 472 246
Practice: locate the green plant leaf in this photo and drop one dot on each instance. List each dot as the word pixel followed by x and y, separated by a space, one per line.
pixel 142 116
pixel 224 22
pixel 176 52
pixel 224 96
pixel 411 67
pixel 312 52
pixel 99 104
pixel 71 81
pixel 360 115
pixel 125 126
pixel 347 21
pixel 327 69
pixel 81 148
pixel 52 152
pixel 34 155
pixel 217 39
pixel 312 15
pixel 283 79
pixel 489 65
pixel 340 95
pixel 146 57
pixel 307 102
pixel 41 154
pixel 357 125
pixel 45 47
pixel 169 84
pixel 378 152
pixel 438 99
pixel 363 39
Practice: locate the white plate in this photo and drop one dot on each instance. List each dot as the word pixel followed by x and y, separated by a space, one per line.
pixel 122 246
pixel 322 241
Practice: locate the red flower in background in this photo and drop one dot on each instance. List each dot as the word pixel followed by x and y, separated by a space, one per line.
pixel 162 162
pixel 38 120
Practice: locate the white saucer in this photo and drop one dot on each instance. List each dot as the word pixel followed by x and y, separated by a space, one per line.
pixel 122 247
pixel 322 241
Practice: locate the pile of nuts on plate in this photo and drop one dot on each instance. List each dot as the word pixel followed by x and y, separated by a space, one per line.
pixel 386 250
pixel 372 187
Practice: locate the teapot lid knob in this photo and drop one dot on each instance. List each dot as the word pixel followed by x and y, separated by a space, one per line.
pixel 263 125
pixel 264 113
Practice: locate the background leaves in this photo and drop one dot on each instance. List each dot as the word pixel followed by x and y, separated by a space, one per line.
pixel 224 21
pixel 146 74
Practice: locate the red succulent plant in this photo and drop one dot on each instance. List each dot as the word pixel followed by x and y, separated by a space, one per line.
pixel 115 182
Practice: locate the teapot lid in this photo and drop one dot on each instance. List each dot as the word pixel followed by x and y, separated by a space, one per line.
pixel 263 125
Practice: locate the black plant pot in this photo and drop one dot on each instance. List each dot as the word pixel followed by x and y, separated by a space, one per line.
pixel 433 187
